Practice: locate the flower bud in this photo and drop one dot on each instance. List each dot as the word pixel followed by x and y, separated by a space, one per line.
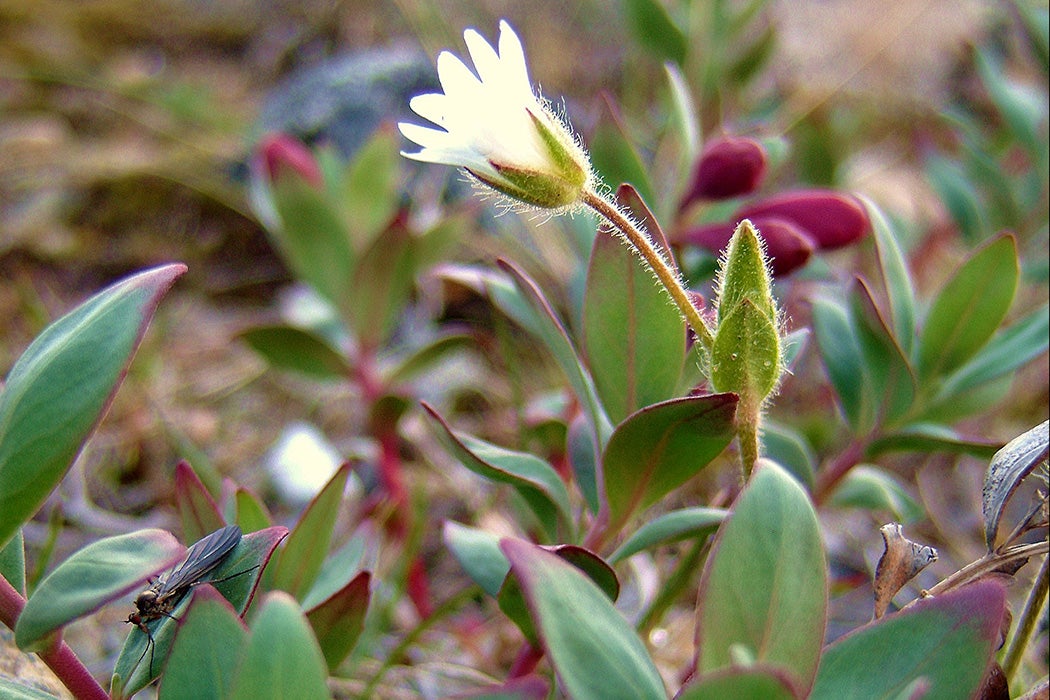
pixel 728 167
pixel 787 246
pixel 831 219
pixel 282 154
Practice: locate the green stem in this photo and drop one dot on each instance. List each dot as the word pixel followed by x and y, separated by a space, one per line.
pixel 675 584
pixel 667 276
pixel 1033 606
pixel 747 437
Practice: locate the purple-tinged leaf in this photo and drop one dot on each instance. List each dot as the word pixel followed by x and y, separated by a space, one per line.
pixel 236 579
pixel 533 478
pixel 660 447
pixel 198 511
pixel 886 368
pixel 339 620
pixel 61 386
pixel 944 643
pixel 634 337
pixel 593 649
pixel 99 573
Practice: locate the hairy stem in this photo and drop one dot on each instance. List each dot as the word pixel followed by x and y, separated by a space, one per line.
pixel 656 261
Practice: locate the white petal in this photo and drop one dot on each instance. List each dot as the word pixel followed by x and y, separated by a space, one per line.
pixel 456 79
pixel 486 62
pixel 432 107
pixel 512 56
pixel 423 136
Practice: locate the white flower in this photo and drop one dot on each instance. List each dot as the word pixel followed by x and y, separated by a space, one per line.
pixel 496 128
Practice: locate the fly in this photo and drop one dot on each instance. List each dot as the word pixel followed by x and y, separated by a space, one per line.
pixel 164 594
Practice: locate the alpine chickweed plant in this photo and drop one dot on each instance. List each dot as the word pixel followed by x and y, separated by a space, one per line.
pixel 659 467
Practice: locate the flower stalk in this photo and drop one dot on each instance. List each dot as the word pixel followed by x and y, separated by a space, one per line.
pixel 667 276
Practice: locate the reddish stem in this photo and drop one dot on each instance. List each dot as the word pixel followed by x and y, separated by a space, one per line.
pixel 838 468
pixel 59 658
pixel 528 657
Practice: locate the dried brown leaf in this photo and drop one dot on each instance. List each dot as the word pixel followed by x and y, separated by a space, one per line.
pixel 901 561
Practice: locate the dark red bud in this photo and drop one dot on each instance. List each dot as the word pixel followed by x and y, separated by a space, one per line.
pixel 832 219
pixel 281 154
pixel 728 167
pixel 787 245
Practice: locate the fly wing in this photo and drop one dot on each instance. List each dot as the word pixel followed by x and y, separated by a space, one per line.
pixel 202 557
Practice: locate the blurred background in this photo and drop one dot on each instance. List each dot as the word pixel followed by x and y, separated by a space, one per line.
pixel 127 129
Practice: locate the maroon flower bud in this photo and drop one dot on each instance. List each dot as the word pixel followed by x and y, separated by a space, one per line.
pixel 281 154
pixel 831 219
pixel 728 167
pixel 787 245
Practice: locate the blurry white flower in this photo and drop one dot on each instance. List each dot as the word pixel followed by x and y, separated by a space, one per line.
pixel 496 128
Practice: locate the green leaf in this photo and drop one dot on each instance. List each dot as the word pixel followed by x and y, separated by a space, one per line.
pixel 303 555
pixel 12 690
pixel 312 238
pixel 424 358
pixel 1007 351
pixel 686 120
pixel 338 570
pixel 969 308
pixel 615 157
pixel 61 386
pixel 236 579
pixel 530 687
pixel 790 449
pixel 593 650
pixel 282 659
pixel 297 350
pixel 198 511
pixel 956 191
pixel 634 337
pixel 764 589
pixel 751 683
pixel 873 489
pixel 899 288
pixel 479 554
pixel 655 31
pixel 1024 109
pixel 930 437
pixel 840 352
pixel 584 461
pixel 93 576
pixel 943 643
pixel 371 191
pixel 659 448
pixel 526 305
pixel 338 621
pixel 886 369
pixel 251 514
pixel 206 650
pixel 382 285
pixel 534 479
pixel 687 523
pixel 13 562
